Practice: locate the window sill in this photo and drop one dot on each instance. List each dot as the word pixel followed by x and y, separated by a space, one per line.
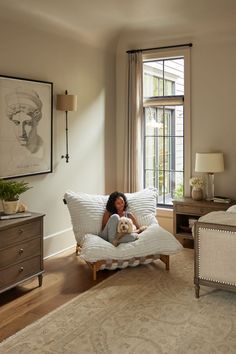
pixel 164 212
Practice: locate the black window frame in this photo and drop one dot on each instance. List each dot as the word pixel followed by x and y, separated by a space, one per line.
pixel 168 99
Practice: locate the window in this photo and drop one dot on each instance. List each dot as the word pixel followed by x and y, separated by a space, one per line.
pixel 164 110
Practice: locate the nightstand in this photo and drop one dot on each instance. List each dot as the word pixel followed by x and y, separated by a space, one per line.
pixel 187 208
pixel 21 250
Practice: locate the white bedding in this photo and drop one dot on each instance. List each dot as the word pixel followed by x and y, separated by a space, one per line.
pixel 220 217
pixel 154 240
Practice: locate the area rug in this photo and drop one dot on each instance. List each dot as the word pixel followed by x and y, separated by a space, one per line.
pixel 138 310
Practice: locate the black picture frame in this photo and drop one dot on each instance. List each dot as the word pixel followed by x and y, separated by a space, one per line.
pixel 26 127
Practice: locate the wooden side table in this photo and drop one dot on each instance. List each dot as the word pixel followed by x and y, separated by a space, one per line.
pixel 187 208
pixel 21 250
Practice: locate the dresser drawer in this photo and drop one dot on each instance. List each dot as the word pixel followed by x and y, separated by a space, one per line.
pixel 18 253
pixel 19 233
pixel 18 272
pixel 191 209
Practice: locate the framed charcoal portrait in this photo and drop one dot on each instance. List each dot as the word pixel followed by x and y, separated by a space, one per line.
pixel 25 127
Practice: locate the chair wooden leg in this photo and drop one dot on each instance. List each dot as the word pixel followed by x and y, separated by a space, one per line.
pixel 197 291
pixel 96 266
pixel 77 249
pixel 94 269
pixel 165 259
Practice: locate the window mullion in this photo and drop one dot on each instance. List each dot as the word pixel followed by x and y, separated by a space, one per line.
pixel 163 70
pixel 164 155
pixel 163 101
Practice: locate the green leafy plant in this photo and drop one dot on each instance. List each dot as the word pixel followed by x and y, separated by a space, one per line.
pixel 179 191
pixel 11 190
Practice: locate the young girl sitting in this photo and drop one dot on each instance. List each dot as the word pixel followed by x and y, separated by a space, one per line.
pixel 117 207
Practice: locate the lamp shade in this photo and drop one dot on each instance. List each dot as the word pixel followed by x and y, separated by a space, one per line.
pixel 67 102
pixel 209 162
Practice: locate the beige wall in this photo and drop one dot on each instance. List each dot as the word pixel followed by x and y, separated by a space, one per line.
pixel 213 112
pixel 88 72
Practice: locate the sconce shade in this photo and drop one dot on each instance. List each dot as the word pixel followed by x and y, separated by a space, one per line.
pixel 67 102
pixel 209 162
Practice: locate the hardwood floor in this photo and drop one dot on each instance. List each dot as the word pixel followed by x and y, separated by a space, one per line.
pixel 65 277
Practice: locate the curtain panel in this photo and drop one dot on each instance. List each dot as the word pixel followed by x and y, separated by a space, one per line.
pixel 133 159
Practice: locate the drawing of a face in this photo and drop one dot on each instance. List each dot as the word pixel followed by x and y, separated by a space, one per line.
pixel 24 109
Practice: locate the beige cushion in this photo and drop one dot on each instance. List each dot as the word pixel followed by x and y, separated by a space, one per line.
pixel 219 217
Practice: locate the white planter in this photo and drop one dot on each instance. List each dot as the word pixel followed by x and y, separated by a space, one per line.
pixel 10 207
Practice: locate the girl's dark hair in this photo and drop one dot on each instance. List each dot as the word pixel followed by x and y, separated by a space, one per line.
pixel 111 202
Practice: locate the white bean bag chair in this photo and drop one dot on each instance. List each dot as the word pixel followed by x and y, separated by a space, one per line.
pixel 86 213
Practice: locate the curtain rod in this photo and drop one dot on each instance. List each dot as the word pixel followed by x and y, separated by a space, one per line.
pixel 166 47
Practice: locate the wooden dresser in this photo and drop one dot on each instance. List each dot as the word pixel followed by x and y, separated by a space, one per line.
pixel 187 208
pixel 21 250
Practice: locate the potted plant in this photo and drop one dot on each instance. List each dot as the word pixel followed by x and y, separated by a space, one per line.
pixel 197 184
pixel 9 194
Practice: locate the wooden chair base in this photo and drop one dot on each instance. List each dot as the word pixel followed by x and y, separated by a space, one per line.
pixel 77 250
pixel 166 260
pixel 95 266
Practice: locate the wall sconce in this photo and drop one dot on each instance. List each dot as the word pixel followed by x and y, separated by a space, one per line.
pixel 66 103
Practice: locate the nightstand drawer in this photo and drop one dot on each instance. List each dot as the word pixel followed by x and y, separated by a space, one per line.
pixel 18 272
pixel 191 209
pixel 20 252
pixel 19 233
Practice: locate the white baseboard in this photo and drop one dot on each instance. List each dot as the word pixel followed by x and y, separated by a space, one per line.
pixel 58 242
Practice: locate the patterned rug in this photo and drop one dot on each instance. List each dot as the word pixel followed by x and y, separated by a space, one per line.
pixel 138 310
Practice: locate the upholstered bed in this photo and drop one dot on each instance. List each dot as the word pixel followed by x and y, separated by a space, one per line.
pixel 154 243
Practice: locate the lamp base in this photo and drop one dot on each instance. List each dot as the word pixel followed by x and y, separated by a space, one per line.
pixel 210 187
pixel 65 157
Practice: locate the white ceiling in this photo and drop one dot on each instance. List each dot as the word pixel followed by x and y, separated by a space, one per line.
pixel 100 21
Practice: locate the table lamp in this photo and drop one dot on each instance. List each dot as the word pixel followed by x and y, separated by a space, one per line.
pixel 209 163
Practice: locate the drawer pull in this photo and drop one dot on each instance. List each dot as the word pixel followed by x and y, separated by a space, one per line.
pixel 20 231
pixel 21 269
pixel 21 250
